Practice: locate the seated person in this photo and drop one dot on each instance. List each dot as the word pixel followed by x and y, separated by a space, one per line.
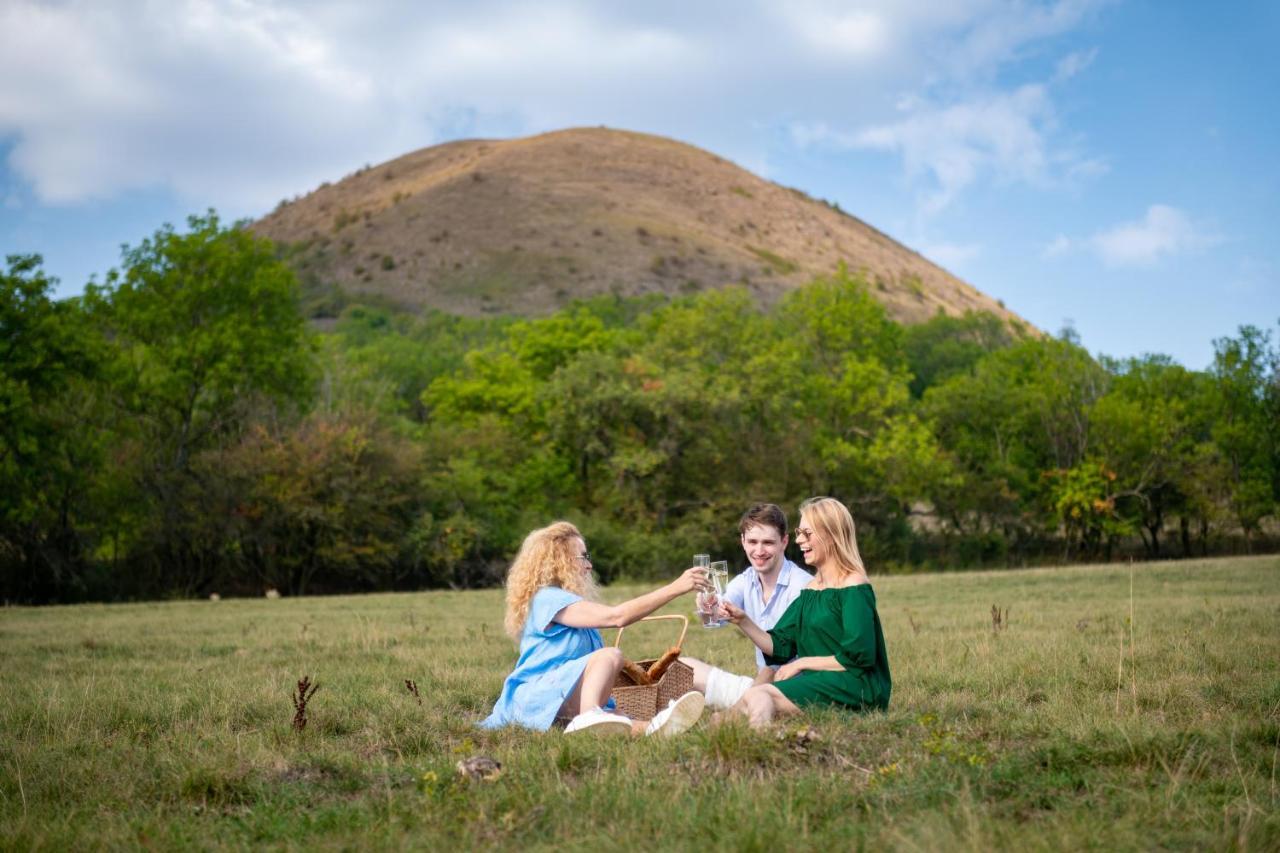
pixel 564 672
pixel 764 591
pixel 832 630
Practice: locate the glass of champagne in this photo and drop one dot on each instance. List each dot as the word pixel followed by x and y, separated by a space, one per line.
pixel 719 572
pixel 702 601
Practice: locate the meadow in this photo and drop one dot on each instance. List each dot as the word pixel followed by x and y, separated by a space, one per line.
pixel 1106 707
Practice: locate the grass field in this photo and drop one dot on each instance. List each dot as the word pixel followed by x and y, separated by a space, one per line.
pixel 169 725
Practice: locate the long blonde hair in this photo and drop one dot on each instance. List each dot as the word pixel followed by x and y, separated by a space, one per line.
pixel 832 519
pixel 547 558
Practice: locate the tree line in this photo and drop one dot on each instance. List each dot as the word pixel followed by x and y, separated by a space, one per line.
pixel 181 429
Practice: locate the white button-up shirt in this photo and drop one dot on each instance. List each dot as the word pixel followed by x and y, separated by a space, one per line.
pixel 747 593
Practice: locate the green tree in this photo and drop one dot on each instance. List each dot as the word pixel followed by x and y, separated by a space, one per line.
pixel 1084 500
pixel 945 346
pixel 46 453
pixel 388 359
pixel 491 467
pixel 324 503
pixel 206 329
pixel 1243 429
pixel 1150 429
pixel 845 376
pixel 1013 429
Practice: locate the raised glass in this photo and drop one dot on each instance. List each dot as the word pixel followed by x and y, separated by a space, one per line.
pixel 709 602
pixel 705 602
pixel 719 572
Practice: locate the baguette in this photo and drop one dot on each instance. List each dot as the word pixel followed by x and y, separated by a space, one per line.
pixel 634 673
pixel 661 665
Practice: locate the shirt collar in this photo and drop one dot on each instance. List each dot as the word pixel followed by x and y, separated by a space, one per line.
pixel 784 574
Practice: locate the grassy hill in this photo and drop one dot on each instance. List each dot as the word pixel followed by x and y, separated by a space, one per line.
pixel 1111 711
pixel 525 225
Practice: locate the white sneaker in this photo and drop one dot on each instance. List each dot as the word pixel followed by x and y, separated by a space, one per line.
pixel 599 721
pixel 679 715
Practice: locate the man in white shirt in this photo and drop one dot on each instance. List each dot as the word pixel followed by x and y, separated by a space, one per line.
pixel 764 591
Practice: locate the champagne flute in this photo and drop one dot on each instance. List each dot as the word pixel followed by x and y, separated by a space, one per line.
pixel 719 572
pixel 704 609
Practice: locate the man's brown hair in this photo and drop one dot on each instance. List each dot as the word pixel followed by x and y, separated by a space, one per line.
pixel 766 515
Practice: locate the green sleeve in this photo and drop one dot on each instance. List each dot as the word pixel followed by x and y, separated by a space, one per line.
pixel 784 635
pixel 858 647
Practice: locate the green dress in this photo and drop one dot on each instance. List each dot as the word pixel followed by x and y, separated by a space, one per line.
pixel 841 622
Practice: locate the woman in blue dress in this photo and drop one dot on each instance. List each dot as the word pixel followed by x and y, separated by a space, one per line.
pixel 564 672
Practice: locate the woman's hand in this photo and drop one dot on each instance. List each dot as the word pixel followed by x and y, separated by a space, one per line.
pixel 755 634
pixel 694 578
pixel 790 670
pixel 591 614
pixel 730 612
pixel 816 663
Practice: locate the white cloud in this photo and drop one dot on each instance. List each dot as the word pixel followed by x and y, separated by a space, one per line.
pixel 998 33
pixel 238 103
pixel 952 256
pixel 953 145
pixel 189 97
pixel 526 48
pixel 958 127
pixel 1164 232
pixel 1089 167
pixel 1057 247
pixel 1073 63
pixel 856 34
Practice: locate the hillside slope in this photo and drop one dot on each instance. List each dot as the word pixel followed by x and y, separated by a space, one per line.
pixel 524 225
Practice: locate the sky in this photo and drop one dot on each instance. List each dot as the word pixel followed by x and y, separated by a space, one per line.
pixel 1111 166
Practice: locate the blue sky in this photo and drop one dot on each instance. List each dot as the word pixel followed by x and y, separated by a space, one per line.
pixel 1110 165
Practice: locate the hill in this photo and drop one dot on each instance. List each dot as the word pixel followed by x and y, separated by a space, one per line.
pixel 525 225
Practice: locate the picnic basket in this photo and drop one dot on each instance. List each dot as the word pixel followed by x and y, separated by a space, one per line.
pixel 642 701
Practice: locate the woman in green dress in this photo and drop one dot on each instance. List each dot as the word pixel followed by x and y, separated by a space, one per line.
pixel 828 645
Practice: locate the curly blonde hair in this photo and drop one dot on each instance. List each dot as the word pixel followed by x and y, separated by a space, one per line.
pixel 547 558
pixel 833 520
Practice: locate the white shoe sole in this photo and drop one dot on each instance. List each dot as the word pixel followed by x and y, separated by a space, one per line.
pixel 686 711
pixel 603 728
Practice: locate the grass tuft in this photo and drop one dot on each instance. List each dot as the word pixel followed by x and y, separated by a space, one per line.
pixel 304 691
pixel 166 730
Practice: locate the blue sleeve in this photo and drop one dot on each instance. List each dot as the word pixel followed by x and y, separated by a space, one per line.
pixel 736 594
pixel 547 602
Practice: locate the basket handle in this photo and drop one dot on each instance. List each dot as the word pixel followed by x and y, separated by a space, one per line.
pixel 683 629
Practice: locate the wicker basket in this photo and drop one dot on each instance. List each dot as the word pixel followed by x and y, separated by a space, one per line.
pixel 641 702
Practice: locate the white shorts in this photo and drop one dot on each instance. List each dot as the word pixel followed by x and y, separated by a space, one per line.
pixel 724 689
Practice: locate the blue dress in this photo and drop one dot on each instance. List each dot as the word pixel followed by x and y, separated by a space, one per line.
pixel 552 658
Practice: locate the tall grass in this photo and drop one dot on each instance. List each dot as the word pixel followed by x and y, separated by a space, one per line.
pixel 172 725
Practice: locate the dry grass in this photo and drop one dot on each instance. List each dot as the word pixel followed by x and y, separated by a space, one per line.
pixel 524 225
pixel 170 725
